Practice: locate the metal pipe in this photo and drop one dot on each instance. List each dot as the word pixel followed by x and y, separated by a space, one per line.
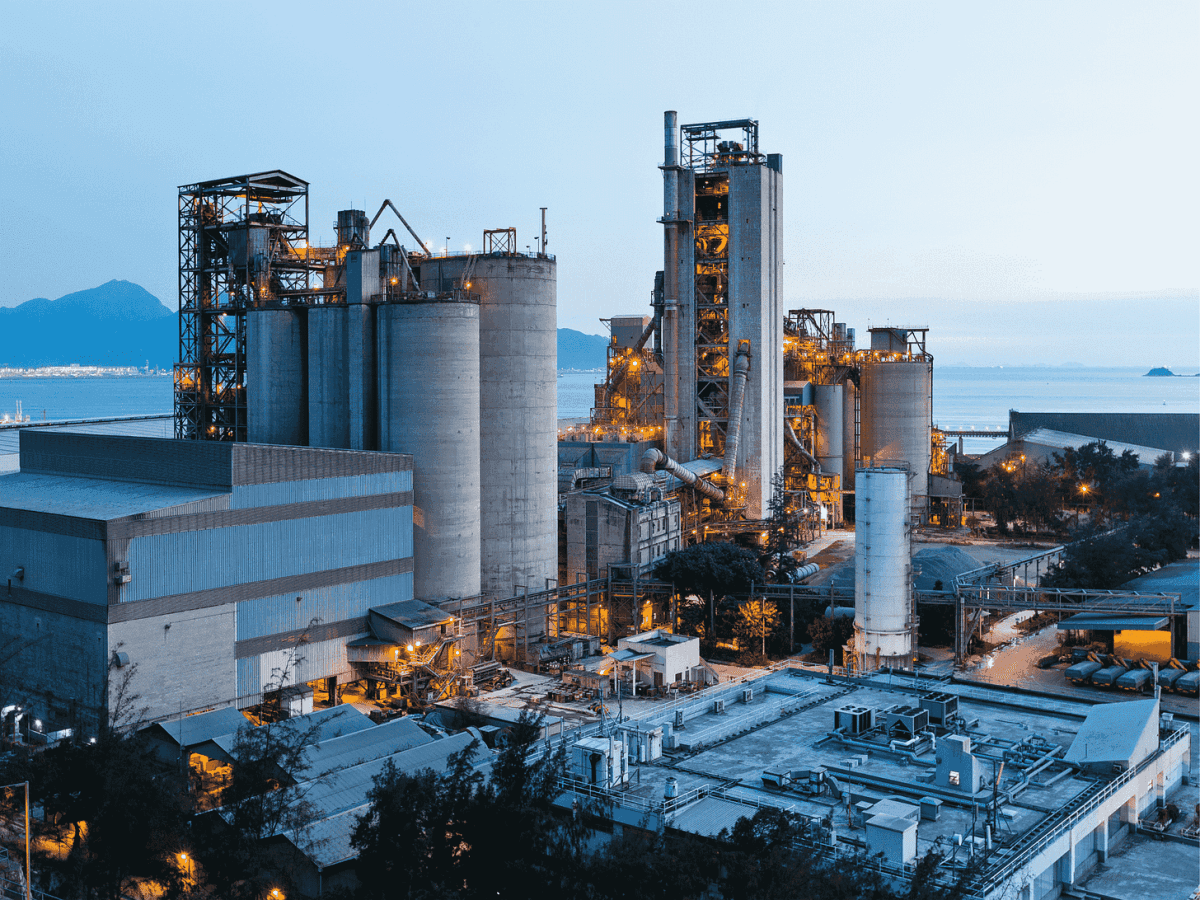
pixel 655 459
pixel 791 433
pixel 737 397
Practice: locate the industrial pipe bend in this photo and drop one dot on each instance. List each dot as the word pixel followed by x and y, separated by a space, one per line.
pixel 655 459
pixel 741 369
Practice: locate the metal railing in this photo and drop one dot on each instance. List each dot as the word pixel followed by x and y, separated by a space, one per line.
pixel 1053 827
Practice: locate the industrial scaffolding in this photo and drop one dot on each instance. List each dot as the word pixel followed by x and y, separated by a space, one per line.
pixel 241 240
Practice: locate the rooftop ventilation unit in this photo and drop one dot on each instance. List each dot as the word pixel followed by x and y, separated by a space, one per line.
pixel 907 721
pixel 941 707
pixel 747 694
pixel 854 719
pixel 719 707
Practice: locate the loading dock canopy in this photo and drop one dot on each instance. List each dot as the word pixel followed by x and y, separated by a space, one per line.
pixel 1092 622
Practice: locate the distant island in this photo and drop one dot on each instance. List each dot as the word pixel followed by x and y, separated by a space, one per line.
pixel 1166 373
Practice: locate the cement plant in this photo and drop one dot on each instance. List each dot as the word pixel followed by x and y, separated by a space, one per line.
pixel 371 521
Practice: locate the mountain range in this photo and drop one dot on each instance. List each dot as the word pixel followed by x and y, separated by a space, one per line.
pixel 122 324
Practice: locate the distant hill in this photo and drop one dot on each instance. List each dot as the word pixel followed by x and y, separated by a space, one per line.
pixel 122 324
pixel 116 324
pixel 577 350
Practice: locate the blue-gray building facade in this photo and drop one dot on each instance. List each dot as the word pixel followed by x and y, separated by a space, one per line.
pixel 220 570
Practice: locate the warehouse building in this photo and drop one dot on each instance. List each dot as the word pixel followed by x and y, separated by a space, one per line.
pixel 215 572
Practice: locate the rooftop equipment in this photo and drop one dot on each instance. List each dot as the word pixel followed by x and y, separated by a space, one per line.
pixel 854 719
pixel 942 707
pixel 907 722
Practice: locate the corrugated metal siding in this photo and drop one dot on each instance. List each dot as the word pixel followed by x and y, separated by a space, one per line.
pixel 274 615
pixel 248 682
pixel 220 557
pixel 56 563
pixel 279 493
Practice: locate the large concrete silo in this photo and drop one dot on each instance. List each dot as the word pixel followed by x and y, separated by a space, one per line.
pixel 518 396
pixel 276 376
pixel 883 608
pixel 429 406
pixel 896 418
pixel 328 378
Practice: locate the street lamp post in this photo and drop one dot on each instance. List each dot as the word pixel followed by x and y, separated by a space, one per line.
pixel 28 870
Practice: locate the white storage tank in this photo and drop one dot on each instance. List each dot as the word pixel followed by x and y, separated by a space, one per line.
pixel 429 406
pixel 883 611
pixel 896 418
pixel 276 377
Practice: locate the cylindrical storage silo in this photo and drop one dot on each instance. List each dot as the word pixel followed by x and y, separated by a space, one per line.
pixel 895 420
pixel 849 440
pixel 276 377
pixel 518 342
pixel 429 407
pixel 883 620
pixel 829 403
pixel 328 378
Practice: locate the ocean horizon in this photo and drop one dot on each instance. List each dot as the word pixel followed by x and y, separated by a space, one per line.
pixel 964 397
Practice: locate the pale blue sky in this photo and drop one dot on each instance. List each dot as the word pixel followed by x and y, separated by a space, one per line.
pixel 950 151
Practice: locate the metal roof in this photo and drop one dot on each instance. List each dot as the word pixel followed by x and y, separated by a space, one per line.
pixel 192 730
pixel 365 745
pixel 1047 437
pixel 1177 432
pixel 156 426
pixel 100 499
pixel 1181 577
pixel 628 655
pixel 1112 732
pixel 335 792
pixel 1096 622
pixel 710 816
pixel 412 614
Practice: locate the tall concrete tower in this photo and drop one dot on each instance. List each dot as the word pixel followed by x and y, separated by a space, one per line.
pixel 722 324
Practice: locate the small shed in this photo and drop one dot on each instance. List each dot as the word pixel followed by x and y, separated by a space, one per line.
pixel 410 622
pixel 1115 735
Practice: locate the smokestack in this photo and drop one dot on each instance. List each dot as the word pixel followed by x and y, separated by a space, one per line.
pixel 672 138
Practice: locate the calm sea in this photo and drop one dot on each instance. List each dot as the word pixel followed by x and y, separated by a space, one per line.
pixel 966 398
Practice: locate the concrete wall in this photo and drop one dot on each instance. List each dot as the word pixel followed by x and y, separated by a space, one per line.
pixel 184 660
pixel 59 667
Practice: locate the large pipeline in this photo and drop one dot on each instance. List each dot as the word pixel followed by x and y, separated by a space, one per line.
pixel 791 432
pixel 737 397
pixel 655 459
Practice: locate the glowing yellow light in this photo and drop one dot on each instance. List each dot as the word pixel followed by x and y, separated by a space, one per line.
pixel 410 648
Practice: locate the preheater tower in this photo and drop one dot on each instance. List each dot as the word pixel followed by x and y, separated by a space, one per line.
pixel 721 292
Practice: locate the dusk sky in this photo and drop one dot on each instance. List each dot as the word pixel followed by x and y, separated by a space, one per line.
pixel 1019 177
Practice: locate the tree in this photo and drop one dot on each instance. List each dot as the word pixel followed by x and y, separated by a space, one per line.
pixel 756 621
pixel 710 571
pixel 719 568
pixel 831 633
pixel 782 531
pixel 125 813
